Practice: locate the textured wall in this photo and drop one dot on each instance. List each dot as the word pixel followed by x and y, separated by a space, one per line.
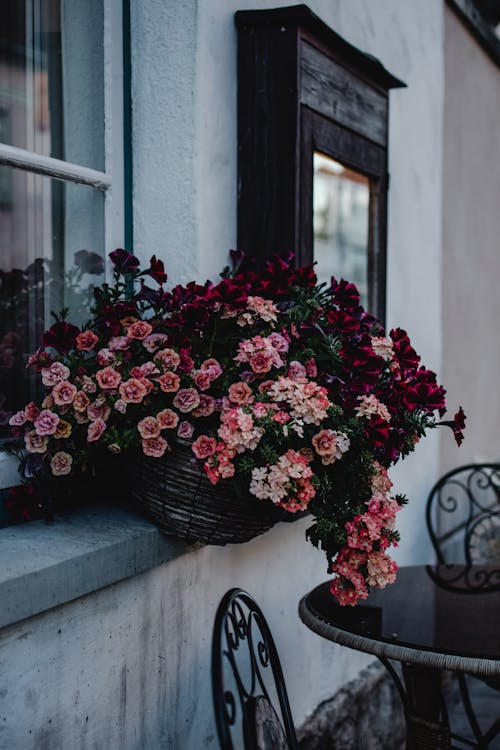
pixel 471 242
pixel 134 658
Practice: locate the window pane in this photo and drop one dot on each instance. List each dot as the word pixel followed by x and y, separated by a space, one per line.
pixel 51 235
pixel 341 200
pixel 51 78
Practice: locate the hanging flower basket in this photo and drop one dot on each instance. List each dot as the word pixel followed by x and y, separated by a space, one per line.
pixel 178 497
pixel 261 395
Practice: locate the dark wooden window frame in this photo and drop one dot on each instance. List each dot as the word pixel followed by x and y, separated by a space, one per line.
pixel 301 89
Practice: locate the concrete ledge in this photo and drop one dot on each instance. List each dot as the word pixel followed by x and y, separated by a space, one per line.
pixel 43 565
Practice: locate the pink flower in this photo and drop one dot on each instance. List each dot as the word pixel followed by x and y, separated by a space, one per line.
pixel 35 443
pixel 95 430
pixel 261 362
pixel 147 368
pixel 105 357
pixel 99 409
pixel 139 330
pixel 240 393
pixel 118 343
pixel 152 342
pixel 120 406
pixel 53 374
pixel 186 399
pixel 168 359
pixel 202 380
pixel 108 378
pixel 330 445
pixel 133 391
pixel 185 430
pixel 213 368
pixel 154 447
pixel 279 342
pixel 311 368
pixel 206 406
pixel 64 393
pixel 46 423
pixel 169 382
pixel 32 411
pixel 204 446
pixel 18 419
pixel 81 401
pixel 149 427
pixel 281 417
pixel 86 340
pixel 60 463
pixel 88 385
pixel 296 370
pixel 167 419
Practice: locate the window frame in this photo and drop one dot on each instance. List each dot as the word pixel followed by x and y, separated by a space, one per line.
pixel 302 88
pixel 111 181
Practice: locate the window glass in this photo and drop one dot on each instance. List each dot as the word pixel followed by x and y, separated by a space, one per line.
pixel 341 200
pixel 51 234
pixel 52 78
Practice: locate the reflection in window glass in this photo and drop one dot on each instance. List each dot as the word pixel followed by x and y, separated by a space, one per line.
pixel 51 234
pixel 51 78
pixel 341 200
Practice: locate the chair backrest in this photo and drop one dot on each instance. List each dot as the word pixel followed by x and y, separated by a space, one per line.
pixel 250 698
pixel 463 515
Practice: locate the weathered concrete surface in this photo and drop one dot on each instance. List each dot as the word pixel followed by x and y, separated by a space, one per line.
pixel 74 555
pixel 366 714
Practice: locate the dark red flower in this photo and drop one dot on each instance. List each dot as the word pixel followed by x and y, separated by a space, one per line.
pixel 343 322
pixel 123 261
pixel 304 276
pixel 457 425
pixel 425 396
pixel 61 336
pixel 156 270
pixel 405 354
pixel 344 293
pixel 231 294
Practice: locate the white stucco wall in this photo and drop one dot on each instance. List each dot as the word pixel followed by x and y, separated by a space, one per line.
pixel 134 657
pixel 471 231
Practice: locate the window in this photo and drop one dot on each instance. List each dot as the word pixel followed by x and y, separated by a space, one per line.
pixel 312 148
pixel 61 170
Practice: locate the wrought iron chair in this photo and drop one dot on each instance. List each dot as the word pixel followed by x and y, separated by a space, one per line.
pixel 250 699
pixel 463 515
pixel 463 521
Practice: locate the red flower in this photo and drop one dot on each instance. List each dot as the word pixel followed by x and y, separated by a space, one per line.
pixel 61 336
pixel 156 270
pixel 345 294
pixel 425 396
pixel 457 425
pixel 123 261
pixel 405 354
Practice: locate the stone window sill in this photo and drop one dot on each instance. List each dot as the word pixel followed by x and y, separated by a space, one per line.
pixel 44 565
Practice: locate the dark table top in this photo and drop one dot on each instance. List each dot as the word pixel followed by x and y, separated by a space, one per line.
pixel 445 617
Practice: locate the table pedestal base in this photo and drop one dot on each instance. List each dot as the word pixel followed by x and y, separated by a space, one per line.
pixel 426 716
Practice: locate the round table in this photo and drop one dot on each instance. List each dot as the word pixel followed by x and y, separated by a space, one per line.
pixel 433 618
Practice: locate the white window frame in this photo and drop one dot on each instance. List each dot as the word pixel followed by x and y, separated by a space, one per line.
pixel 111 181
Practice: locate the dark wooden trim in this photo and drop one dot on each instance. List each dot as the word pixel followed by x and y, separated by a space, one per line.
pixel 303 88
pixel 301 15
pixel 480 30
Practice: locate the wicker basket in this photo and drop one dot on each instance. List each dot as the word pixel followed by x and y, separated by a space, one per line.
pixel 178 497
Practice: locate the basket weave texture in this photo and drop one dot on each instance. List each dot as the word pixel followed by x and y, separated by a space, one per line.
pixel 177 496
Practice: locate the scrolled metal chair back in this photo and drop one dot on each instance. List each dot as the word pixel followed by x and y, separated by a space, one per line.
pixel 463 515
pixel 250 699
